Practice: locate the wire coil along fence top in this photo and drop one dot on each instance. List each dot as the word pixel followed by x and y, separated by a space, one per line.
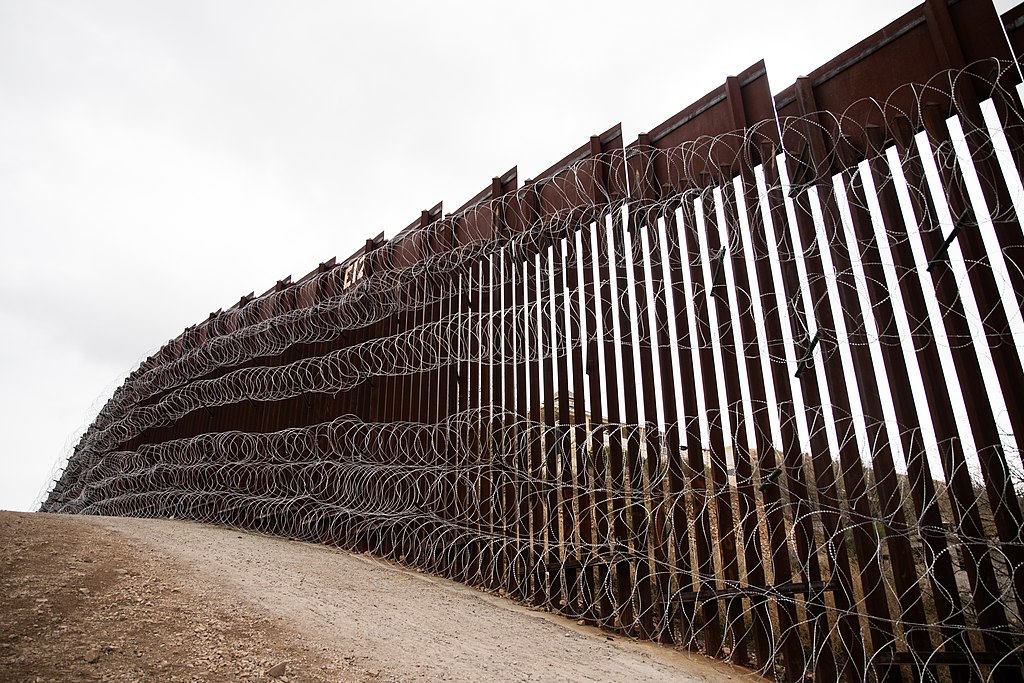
pixel 751 384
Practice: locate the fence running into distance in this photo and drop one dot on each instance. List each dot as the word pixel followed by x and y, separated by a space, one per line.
pixel 751 385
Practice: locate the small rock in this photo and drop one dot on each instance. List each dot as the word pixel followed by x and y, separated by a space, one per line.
pixel 92 656
pixel 581 622
pixel 83 591
pixel 277 670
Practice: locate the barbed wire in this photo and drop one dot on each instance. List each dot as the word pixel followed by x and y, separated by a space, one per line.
pixel 765 407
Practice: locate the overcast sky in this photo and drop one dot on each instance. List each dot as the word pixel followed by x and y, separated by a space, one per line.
pixel 160 159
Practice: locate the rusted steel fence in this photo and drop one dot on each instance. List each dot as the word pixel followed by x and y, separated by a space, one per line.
pixel 751 385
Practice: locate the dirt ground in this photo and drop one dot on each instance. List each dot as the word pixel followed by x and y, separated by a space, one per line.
pixel 118 599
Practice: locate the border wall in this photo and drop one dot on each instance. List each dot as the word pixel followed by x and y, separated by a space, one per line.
pixel 751 384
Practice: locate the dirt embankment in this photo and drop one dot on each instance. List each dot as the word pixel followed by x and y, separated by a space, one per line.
pixel 117 599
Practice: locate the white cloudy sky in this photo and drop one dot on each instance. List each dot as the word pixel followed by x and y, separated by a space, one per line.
pixel 160 159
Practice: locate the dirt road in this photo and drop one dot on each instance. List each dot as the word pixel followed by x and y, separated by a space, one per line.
pixel 118 599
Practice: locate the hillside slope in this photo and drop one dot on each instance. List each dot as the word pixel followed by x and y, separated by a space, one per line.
pixel 120 599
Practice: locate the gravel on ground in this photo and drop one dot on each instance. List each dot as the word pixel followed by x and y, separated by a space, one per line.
pixel 120 599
